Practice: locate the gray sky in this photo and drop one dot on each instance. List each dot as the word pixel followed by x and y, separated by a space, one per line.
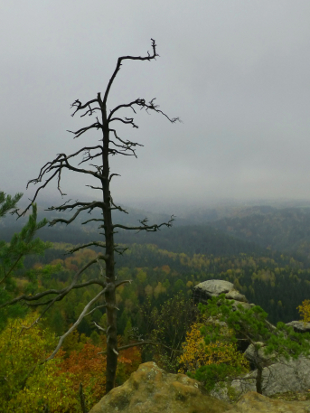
pixel 235 71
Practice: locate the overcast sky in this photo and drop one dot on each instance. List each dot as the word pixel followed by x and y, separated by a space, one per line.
pixel 237 72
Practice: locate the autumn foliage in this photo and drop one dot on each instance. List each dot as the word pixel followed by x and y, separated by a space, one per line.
pixel 304 310
pixel 88 366
pixel 196 353
pixel 26 385
pixel 29 386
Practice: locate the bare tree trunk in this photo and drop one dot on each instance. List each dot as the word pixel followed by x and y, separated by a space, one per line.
pixel 100 172
pixel 110 296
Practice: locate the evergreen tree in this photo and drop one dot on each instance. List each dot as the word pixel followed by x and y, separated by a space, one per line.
pixel 12 256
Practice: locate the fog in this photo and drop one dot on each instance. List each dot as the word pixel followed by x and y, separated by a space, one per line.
pixel 235 72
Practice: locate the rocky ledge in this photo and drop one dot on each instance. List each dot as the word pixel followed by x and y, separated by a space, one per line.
pixel 152 390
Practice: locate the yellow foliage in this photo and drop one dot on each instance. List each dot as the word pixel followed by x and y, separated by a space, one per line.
pixel 46 387
pixel 159 289
pixel 189 284
pixel 27 385
pixel 196 353
pixel 304 311
pixel 149 290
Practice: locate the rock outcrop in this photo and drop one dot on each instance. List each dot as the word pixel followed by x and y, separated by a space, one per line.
pixel 253 402
pixel 278 376
pixel 213 288
pixel 299 326
pixel 152 390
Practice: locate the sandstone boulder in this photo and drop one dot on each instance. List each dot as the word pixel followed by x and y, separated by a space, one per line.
pixel 213 288
pixel 253 402
pixel 281 377
pixel 152 390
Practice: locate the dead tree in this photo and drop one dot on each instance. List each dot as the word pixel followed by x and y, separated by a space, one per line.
pixel 110 144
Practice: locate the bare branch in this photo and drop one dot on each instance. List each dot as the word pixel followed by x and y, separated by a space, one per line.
pixel 123 152
pixel 96 308
pixel 119 208
pixel 62 295
pixel 87 205
pixel 89 157
pixel 120 251
pixel 125 105
pixel 119 63
pixel 97 125
pixel 93 220
pixel 78 105
pixel 73 327
pixel 143 105
pixel 122 282
pixel 99 327
pixel 56 166
pixel 126 143
pixel 65 291
pixel 89 244
pixel 94 187
pixel 145 227
pixel 126 121
pixel 84 205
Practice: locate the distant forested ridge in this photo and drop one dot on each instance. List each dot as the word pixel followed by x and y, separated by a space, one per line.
pixel 285 229
pixel 246 248
pixel 192 239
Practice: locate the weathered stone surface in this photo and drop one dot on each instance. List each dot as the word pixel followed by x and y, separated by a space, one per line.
pixel 215 287
pixel 299 326
pixel 259 355
pixel 253 402
pixel 235 295
pixel 152 390
pixel 280 377
pixel 292 375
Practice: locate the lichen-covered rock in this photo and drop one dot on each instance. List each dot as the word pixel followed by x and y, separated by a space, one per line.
pixel 213 288
pixel 152 390
pixel 299 326
pixel 253 402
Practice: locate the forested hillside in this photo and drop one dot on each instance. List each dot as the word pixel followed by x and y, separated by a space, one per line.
pixel 194 239
pixel 156 306
pixel 285 229
pixel 246 248
pixel 274 281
